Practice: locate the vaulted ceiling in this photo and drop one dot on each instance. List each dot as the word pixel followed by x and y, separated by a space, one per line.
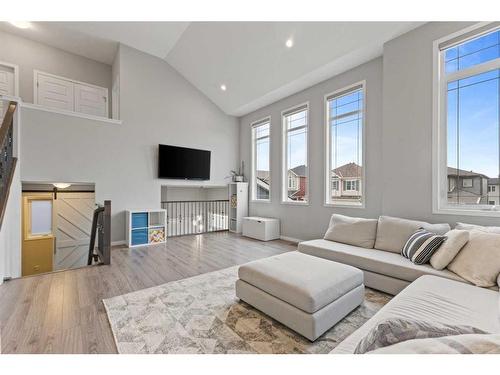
pixel 250 58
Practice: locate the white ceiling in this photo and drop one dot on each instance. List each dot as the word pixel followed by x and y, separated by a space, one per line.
pixel 250 58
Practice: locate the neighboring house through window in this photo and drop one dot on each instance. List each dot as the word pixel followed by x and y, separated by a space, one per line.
pixel 295 155
pixel 467 120
pixel 344 158
pixel 261 171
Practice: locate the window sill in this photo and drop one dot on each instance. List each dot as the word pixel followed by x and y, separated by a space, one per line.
pixel 463 212
pixel 70 113
pixel 260 201
pixel 344 205
pixel 295 203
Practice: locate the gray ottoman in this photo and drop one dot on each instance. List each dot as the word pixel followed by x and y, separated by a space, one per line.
pixel 305 293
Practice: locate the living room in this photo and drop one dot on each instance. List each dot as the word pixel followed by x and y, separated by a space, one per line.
pixel 339 195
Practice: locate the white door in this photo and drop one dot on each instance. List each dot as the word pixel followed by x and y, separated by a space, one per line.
pixel 6 85
pixel 73 224
pixel 54 92
pixel 91 100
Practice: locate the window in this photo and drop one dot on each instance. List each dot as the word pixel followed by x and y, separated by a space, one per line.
pixel 261 171
pixel 351 185
pixel 335 185
pixel 295 156
pixel 467 121
pixel 344 133
pixel 467 182
pixel 491 189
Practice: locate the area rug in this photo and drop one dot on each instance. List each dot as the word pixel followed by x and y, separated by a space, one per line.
pixel 202 315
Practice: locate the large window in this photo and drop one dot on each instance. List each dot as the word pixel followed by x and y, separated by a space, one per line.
pixel 344 129
pixel 468 120
pixel 295 161
pixel 261 169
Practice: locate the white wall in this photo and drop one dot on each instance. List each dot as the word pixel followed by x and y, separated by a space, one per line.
pixel 399 138
pixel 304 222
pixel 30 55
pixel 157 106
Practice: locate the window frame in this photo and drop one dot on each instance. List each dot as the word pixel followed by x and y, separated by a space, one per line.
pixel 253 192
pixel 439 118
pixel 328 151
pixel 284 159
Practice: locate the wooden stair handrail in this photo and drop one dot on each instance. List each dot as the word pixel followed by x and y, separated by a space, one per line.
pixel 7 121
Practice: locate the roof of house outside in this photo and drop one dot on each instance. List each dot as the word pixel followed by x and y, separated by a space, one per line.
pixel 300 170
pixel 349 170
pixel 262 175
pixel 461 172
pixel 494 181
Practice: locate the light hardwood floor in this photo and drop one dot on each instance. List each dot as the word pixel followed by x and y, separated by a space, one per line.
pixel 63 312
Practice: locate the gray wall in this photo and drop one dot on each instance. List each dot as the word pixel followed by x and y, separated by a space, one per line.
pixel 311 221
pixel 399 139
pixel 30 55
pixel 157 106
pixel 407 114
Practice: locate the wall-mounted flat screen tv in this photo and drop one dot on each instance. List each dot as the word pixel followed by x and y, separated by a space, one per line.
pixel 183 163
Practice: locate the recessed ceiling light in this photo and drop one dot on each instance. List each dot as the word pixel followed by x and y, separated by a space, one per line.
pixel 223 87
pixel 21 24
pixel 289 43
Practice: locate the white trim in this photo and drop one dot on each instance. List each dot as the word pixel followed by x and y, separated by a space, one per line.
pixel 290 239
pixel 439 127
pixel 36 72
pixel 118 243
pixel 70 113
pixel 16 75
pixel 253 166
pixel 284 144
pixel 327 154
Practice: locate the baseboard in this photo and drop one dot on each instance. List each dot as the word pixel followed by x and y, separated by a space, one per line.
pixel 118 243
pixel 291 239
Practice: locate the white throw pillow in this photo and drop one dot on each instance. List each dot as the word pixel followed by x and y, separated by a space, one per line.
pixel 465 226
pixel 455 240
pixel 479 260
pixel 352 230
pixel 393 232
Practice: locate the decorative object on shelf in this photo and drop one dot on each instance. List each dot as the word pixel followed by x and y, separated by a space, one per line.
pixel 238 197
pixel 157 235
pixel 239 175
pixel 145 227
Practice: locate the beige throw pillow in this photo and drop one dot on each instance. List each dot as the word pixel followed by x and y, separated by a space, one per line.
pixel 456 239
pixel 393 232
pixel 479 260
pixel 352 230
pixel 489 229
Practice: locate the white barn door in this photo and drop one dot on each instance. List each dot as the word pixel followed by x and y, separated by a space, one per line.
pixel 74 213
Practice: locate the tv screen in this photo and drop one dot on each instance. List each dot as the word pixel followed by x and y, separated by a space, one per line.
pixel 183 163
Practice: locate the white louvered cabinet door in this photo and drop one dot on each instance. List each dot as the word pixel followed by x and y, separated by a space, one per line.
pixel 91 100
pixel 55 92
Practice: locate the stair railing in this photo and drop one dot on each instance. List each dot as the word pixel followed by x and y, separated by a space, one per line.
pixel 7 160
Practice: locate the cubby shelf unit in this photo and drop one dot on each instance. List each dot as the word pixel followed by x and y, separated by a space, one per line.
pixel 145 227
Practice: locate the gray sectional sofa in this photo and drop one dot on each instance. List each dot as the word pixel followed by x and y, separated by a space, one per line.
pixel 421 292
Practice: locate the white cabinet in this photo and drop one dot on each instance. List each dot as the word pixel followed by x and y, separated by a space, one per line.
pixel 63 93
pixel 238 205
pixel 261 228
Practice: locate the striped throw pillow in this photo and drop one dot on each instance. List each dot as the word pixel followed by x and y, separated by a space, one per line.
pixel 421 245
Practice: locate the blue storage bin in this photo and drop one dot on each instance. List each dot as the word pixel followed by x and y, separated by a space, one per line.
pixel 140 236
pixel 139 220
